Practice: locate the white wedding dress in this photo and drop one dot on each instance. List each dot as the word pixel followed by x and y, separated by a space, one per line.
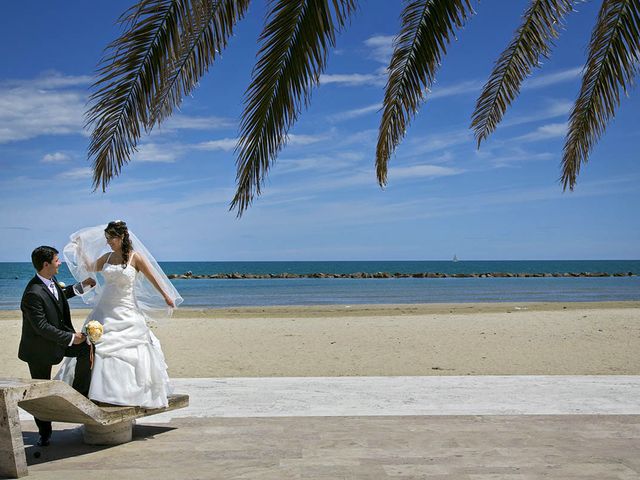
pixel 128 367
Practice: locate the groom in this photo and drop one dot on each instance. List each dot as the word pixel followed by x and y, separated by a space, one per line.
pixel 47 332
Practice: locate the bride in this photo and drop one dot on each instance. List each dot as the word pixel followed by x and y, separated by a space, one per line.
pixel 128 367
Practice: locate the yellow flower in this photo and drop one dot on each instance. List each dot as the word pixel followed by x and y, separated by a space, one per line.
pixel 94 330
pixel 61 284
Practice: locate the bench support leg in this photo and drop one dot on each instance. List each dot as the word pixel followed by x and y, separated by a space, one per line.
pixel 13 461
pixel 115 434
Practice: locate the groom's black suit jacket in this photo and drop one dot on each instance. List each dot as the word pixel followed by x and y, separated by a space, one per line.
pixel 46 323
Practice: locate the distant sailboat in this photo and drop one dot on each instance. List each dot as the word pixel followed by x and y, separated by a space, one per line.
pixel 455 258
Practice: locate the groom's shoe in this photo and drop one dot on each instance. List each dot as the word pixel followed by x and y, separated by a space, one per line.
pixel 43 442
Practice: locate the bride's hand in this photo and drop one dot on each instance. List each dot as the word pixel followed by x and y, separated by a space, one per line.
pixel 169 301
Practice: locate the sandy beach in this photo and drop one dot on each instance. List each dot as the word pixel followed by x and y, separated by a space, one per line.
pixel 369 340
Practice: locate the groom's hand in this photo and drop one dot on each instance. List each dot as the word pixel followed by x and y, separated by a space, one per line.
pixel 78 338
pixel 89 282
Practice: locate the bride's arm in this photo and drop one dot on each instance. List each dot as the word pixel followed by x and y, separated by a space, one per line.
pixel 100 263
pixel 94 266
pixel 87 263
pixel 80 288
pixel 140 263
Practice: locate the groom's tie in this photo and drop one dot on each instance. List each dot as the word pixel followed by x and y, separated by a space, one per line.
pixel 53 289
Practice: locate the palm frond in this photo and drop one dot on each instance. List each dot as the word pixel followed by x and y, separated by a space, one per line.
pixel 293 54
pixel 532 40
pixel 427 26
pixel 129 75
pixel 612 64
pixel 139 81
pixel 210 25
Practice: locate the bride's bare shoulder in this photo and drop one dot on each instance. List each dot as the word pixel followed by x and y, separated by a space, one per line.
pixel 101 261
pixel 135 259
pixel 139 261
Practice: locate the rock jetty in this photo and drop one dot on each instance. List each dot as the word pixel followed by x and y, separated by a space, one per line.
pixel 239 276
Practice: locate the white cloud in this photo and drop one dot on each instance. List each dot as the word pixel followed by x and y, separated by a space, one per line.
pixel 158 152
pixel 440 141
pixel 216 196
pixel 289 165
pixel 224 144
pixel 56 157
pixel 49 80
pixel 438 91
pixel 519 157
pixel 545 132
pixel 76 174
pixel 184 122
pixel 421 171
pixel 135 187
pixel 375 211
pixel 41 106
pixel 170 152
pixel 362 138
pixel 462 88
pixel 323 163
pixel 356 112
pixel 339 173
pixel 228 144
pixel 542 81
pixel 558 108
pixel 52 104
pixel 352 79
pixel 381 47
pixel 296 139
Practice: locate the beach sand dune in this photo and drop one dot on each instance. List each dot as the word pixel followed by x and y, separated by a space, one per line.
pixel 388 340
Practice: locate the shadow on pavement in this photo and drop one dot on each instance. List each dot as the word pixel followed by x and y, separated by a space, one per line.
pixel 68 443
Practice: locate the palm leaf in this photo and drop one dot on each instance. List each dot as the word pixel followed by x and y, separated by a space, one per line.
pixel 612 64
pixel 207 33
pixel 427 26
pixel 295 41
pixel 129 75
pixel 144 73
pixel 532 40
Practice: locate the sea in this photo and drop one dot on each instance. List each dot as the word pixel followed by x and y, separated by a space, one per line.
pixel 220 293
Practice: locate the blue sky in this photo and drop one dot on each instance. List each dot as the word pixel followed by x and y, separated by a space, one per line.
pixel 321 200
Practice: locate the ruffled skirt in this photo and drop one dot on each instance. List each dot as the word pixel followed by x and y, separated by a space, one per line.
pixel 129 367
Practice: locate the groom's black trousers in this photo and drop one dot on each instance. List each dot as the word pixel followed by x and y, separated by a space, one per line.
pixel 81 379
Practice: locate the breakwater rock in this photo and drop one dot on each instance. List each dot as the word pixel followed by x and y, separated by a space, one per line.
pixel 239 276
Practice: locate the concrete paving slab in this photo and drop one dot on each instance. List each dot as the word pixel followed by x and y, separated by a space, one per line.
pixel 507 427
pixel 383 447
pixel 375 396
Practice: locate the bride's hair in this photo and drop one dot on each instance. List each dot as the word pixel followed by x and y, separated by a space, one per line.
pixel 118 228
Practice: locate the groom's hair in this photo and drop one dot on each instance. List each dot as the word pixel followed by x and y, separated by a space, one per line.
pixel 42 254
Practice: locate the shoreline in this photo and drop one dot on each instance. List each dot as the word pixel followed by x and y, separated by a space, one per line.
pixel 360 310
pixel 568 338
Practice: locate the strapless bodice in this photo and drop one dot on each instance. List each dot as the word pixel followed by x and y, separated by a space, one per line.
pixel 115 274
pixel 118 283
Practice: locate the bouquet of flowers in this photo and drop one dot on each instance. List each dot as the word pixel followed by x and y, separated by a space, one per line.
pixel 94 331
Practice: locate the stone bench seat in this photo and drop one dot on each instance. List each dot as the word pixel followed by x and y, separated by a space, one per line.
pixel 56 401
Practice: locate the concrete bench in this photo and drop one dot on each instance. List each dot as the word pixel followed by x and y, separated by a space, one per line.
pixel 56 401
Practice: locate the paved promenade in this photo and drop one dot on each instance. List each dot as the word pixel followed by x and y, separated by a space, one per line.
pixel 486 427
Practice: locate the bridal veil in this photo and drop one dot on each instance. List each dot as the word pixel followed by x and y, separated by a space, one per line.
pixel 89 244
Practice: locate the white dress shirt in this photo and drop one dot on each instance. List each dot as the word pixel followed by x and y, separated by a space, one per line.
pixel 51 285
